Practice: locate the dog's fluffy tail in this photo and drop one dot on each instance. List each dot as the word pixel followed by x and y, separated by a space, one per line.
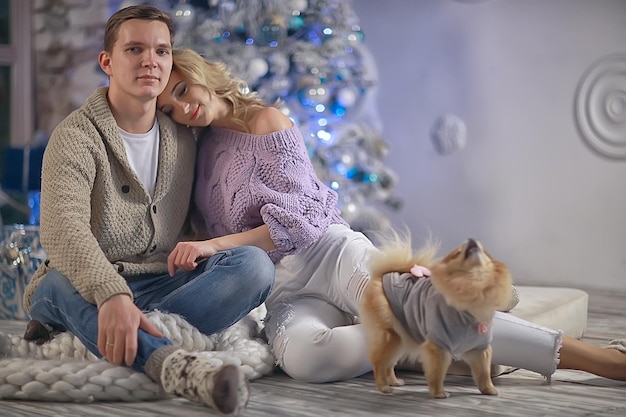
pixel 396 254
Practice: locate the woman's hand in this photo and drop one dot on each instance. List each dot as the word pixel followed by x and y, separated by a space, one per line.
pixel 186 255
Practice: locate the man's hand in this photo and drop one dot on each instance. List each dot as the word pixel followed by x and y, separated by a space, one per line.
pixel 118 322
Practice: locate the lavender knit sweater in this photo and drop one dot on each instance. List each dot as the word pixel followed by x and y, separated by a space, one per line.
pixel 246 180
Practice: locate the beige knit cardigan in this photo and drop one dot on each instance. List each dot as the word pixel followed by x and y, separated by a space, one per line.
pixel 99 225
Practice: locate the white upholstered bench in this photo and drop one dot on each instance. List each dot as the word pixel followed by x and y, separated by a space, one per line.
pixel 557 308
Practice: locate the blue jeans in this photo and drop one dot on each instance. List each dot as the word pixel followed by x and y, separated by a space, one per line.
pixel 218 293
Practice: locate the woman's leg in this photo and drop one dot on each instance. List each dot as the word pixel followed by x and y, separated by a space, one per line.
pixel 313 341
pixel 578 355
pixel 311 313
pixel 522 344
pixel 331 269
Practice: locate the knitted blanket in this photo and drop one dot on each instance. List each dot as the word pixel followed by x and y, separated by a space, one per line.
pixel 62 369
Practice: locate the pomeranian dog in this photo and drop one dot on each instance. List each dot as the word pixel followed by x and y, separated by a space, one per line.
pixel 433 319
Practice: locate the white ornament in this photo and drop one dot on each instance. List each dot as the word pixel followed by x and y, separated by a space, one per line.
pixel 448 134
pixel 299 5
pixel 183 14
pixel 257 68
pixel 346 97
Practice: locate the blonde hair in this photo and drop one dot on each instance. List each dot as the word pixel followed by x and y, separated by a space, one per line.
pixel 218 80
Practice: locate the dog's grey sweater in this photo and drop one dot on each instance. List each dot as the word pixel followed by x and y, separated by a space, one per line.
pixel 424 312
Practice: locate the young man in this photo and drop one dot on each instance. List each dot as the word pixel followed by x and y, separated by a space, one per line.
pixel 116 185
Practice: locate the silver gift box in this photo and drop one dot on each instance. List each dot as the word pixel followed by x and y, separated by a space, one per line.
pixel 21 254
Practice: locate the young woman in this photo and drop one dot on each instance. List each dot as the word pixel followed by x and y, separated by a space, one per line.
pixel 255 185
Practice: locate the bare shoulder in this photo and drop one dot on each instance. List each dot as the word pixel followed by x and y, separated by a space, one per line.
pixel 268 120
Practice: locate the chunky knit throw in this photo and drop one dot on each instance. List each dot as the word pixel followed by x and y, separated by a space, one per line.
pixel 64 370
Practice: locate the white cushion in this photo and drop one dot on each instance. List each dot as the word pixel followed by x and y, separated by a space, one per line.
pixel 556 308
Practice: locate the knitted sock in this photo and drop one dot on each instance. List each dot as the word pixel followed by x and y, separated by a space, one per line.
pixel 198 378
pixel 618 344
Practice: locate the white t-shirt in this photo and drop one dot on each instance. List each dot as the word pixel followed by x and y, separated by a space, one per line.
pixel 142 150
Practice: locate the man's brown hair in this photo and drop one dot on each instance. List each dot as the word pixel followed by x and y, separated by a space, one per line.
pixel 144 12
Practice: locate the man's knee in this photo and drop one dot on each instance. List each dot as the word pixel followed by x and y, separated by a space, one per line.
pixel 53 283
pixel 53 287
pixel 260 270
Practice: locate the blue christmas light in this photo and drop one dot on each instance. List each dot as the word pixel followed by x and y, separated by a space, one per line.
pixel 340 168
pixel 372 177
pixel 352 173
pixel 296 22
pixel 338 109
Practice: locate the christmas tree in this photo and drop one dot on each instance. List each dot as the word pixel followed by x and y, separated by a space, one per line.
pixel 309 56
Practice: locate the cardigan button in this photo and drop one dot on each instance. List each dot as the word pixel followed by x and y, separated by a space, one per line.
pixel 125 189
pixel 154 209
pixel 153 248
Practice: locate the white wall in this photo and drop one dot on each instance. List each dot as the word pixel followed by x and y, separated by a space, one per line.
pixel 526 184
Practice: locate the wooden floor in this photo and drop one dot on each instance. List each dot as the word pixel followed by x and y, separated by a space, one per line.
pixel 522 393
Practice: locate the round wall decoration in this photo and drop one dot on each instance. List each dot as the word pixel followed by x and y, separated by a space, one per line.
pixel 600 106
